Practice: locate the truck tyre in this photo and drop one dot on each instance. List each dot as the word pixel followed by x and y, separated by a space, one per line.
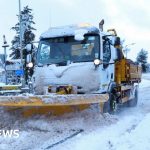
pixel 133 102
pixel 106 107
pixel 111 105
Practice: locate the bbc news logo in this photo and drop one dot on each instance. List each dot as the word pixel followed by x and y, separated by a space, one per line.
pixel 9 133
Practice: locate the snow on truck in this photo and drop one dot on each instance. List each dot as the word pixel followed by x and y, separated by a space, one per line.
pixel 76 67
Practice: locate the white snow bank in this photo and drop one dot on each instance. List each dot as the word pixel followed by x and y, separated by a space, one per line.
pixel 145 80
pixel 2 84
pixel 146 76
pixel 145 83
pixel 138 138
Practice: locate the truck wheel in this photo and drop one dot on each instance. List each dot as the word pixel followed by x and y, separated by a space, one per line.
pixel 133 102
pixel 106 107
pixel 111 105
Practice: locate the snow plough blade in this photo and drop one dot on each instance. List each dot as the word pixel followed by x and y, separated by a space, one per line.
pixel 54 105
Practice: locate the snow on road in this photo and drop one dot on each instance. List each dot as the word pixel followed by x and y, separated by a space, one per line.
pixel 129 130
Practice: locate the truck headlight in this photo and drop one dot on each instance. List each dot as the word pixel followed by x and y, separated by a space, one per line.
pixel 30 65
pixel 97 62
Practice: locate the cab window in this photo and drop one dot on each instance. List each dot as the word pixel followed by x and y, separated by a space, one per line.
pixel 106 53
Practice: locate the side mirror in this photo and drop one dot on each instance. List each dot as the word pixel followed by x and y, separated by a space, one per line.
pixel 29 47
pixel 29 58
pixel 117 41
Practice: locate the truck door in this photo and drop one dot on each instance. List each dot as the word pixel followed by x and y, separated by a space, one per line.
pixel 108 64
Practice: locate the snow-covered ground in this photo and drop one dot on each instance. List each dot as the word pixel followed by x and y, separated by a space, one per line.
pixel 128 130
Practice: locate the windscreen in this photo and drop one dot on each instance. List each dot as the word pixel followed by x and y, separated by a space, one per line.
pixel 64 49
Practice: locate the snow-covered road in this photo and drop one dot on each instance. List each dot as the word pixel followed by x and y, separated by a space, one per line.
pixel 129 130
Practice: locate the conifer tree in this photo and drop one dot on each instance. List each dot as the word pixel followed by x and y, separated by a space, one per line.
pixel 27 33
pixel 142 59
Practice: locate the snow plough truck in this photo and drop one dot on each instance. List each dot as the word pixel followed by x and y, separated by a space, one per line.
pixel 75 67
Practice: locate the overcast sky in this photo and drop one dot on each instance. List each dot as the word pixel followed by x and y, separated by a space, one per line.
pixel 131 18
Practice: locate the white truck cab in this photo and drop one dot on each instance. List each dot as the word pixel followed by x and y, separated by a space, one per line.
pixel 81 56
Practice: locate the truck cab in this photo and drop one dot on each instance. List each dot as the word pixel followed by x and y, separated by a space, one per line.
pixel 79 56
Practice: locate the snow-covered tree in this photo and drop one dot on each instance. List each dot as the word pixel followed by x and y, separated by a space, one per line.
pixel 27 33
pixel 27 36
pixel 15 54
pixel 142 59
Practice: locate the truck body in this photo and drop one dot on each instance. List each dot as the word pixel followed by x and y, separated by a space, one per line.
pixel 80 65
pixel 66 64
